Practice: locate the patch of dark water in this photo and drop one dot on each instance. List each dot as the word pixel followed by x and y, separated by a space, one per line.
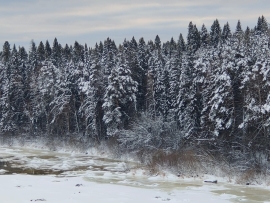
pixel 9 169
pixel 6 157
pixel 14 166
pixel 106 160
pixel 42 157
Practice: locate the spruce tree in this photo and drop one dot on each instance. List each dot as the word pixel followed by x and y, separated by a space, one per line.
pixel 157 43
pixel 247 37
pixel 239 34
pixel 56 53
pixel 226 32
pixel 66 55
pixel 193 38
pixel 185 107
pixel 215 33
pixel 174 69
pixel 205 37
pixel 33 58
pixel 93 89
pixel 181 44
pixel 6 54
pixel 41 52
pixel 264 25
pixel 142 82
pixel 48 50
pixel 120 98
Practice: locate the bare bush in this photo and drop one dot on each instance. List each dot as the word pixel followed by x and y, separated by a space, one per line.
pixel 151 134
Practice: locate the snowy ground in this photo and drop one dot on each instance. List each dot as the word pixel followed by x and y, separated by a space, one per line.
pixel 26 188
pixel 79 178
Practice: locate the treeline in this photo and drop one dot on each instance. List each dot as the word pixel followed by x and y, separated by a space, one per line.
pixel 213 87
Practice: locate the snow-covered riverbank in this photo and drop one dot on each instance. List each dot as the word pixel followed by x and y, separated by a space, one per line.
pixel 80 177
pixel 27 188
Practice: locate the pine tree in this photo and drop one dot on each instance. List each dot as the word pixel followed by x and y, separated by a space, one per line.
pixel 6 54
pixel 221 101
pixel 56 53
pixel 172 47
pixel 226 32
pixel 259 25
pixel 33 58
pixel 205 37
pixel 157 43
pixel 174 69
pixel 239 34
pixel 162 103
pixel 78 54
pixel 93 89
pixel 186 99
pixel 86 55
pixel 9 92
pixel 108 58
pixel 142 82
pixel 264 25
pixel 134 44
pixel 215 33
pixel 41 52
pixel 181 45
pixel 247 37
pixel 130 52
pixel 193 38
pixel 48 50
pixel 66 55
pixel 119 99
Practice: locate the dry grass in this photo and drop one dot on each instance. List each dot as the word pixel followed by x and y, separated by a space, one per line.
pixel 183 162
pixel 246 177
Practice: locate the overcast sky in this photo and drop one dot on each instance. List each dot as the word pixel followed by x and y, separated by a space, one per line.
pixel 89 21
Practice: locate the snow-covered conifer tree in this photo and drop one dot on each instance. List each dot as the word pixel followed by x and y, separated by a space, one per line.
pixel 215 33
pixel 120 97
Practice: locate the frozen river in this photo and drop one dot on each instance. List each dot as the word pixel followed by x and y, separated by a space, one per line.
pixel 39 175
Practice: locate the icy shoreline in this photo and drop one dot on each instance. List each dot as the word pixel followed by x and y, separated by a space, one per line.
pixel 80 177
pixel 29 188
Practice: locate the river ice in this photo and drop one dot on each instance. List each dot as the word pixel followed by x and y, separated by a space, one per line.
pixel 32 175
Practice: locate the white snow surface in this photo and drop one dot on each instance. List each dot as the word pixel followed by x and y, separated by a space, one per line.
pixel 27 188
pixel 83 178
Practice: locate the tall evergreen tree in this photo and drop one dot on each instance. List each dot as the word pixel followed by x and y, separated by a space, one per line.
pixel 48 50
pixel 181 44
pixel 239 34
pixel 215 33
pixel 33 58
pixel 205 37
pixel 6 53
pixel 41 52
pixel 120 98
pixel 56 53
pixel 193 38
pixel 142 82
pixel 157 43
pixel 226 32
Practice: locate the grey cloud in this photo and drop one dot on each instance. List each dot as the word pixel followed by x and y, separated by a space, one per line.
pixel 89 21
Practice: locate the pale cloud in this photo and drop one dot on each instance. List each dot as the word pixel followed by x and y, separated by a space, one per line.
pixel 91 21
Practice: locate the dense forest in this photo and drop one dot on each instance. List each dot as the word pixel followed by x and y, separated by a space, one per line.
pixel 211 90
